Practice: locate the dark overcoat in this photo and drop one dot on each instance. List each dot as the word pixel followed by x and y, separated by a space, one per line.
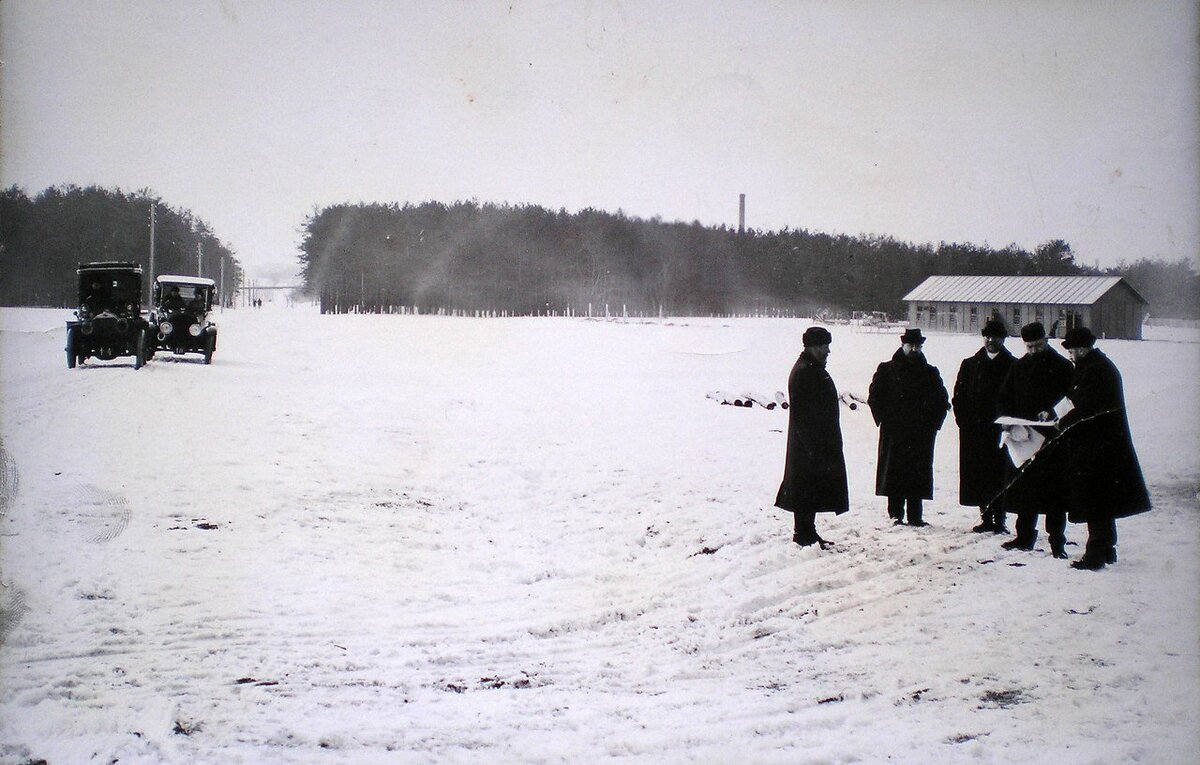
pixel 1103 474
pixel 909 404
pixel 1036 382
pixel 814 472
pixel 980 456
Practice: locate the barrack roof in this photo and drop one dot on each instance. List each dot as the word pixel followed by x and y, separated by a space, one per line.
pixel 1064 290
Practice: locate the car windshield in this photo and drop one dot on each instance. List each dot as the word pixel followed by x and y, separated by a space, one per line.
pixel 183 296
pixel 100 290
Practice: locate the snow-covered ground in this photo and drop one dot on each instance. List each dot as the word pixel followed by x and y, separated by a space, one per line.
pixel 409 539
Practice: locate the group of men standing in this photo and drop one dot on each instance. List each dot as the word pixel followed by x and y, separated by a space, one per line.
pixel 1086 469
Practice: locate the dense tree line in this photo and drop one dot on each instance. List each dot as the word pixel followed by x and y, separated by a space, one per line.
pixel 530 260
pixel 527 259
pixel 524 260
pixel 1172 288
pixel 44 238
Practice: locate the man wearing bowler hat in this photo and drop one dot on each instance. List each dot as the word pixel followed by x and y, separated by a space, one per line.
pixel 909 404
pixel 980 457
pixel 1103 475
pixel 1037 381
pixel 814 473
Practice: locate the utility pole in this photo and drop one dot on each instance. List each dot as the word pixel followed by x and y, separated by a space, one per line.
pixel 199 258
pixel 153 220
pixel 221 294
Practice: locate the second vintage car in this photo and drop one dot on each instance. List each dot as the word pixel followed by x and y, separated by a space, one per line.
pixel 109 321
pixel 179 319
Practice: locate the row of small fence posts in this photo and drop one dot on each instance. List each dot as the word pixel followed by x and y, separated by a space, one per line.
pixel 335 306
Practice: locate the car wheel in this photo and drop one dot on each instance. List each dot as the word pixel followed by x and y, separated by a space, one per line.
pixel 72 356
pixel 139 356
pixel 210 345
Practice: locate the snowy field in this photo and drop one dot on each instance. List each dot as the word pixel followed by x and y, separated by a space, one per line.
pixel 377 539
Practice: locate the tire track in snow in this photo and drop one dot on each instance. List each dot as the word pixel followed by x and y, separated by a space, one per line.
pixel 12 598
pixel 9 480
pixel 95 515
pixel 12 609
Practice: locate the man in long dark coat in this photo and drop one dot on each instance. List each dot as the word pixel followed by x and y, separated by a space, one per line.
pixel 909 404
pixel 1103 474
pixel 814 473
pixel 980 457
pixel 1037 381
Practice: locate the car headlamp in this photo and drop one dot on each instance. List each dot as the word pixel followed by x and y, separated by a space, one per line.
pixel 165 327
pixel 195 330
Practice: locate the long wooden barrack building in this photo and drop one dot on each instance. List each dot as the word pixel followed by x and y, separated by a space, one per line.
pixel 1107 305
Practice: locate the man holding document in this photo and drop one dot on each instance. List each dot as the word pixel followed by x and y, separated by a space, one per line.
pixel 1037 381
pixel 1103 474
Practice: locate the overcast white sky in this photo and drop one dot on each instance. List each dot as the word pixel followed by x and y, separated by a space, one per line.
pixel 991 122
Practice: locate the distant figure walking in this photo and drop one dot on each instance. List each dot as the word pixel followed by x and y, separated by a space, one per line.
pixel 980 457
pixel 1104 476
pixel 1036 382
pixel 814 473
pixel 909 403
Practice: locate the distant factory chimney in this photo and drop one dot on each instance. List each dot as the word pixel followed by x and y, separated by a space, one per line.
pixel 741 213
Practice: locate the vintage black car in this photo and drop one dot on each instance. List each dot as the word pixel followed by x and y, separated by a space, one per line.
pixel 109 321
pixel 179 319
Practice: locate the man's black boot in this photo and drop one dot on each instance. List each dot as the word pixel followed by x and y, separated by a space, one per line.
pixel 806 529
pixel 986 524
pixel 1058 544
pixel 1088 564
pixel 915 510
pixel 1016 543
pixel 998 518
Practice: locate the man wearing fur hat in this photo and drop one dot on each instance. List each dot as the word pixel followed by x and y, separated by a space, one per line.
pixel 1103 474
pixel 980 456
pixel 1037 381
pixel 814 473
pixel 909 404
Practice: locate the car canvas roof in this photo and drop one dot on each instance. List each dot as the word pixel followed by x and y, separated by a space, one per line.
pixel 196 280
pixel 109 265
